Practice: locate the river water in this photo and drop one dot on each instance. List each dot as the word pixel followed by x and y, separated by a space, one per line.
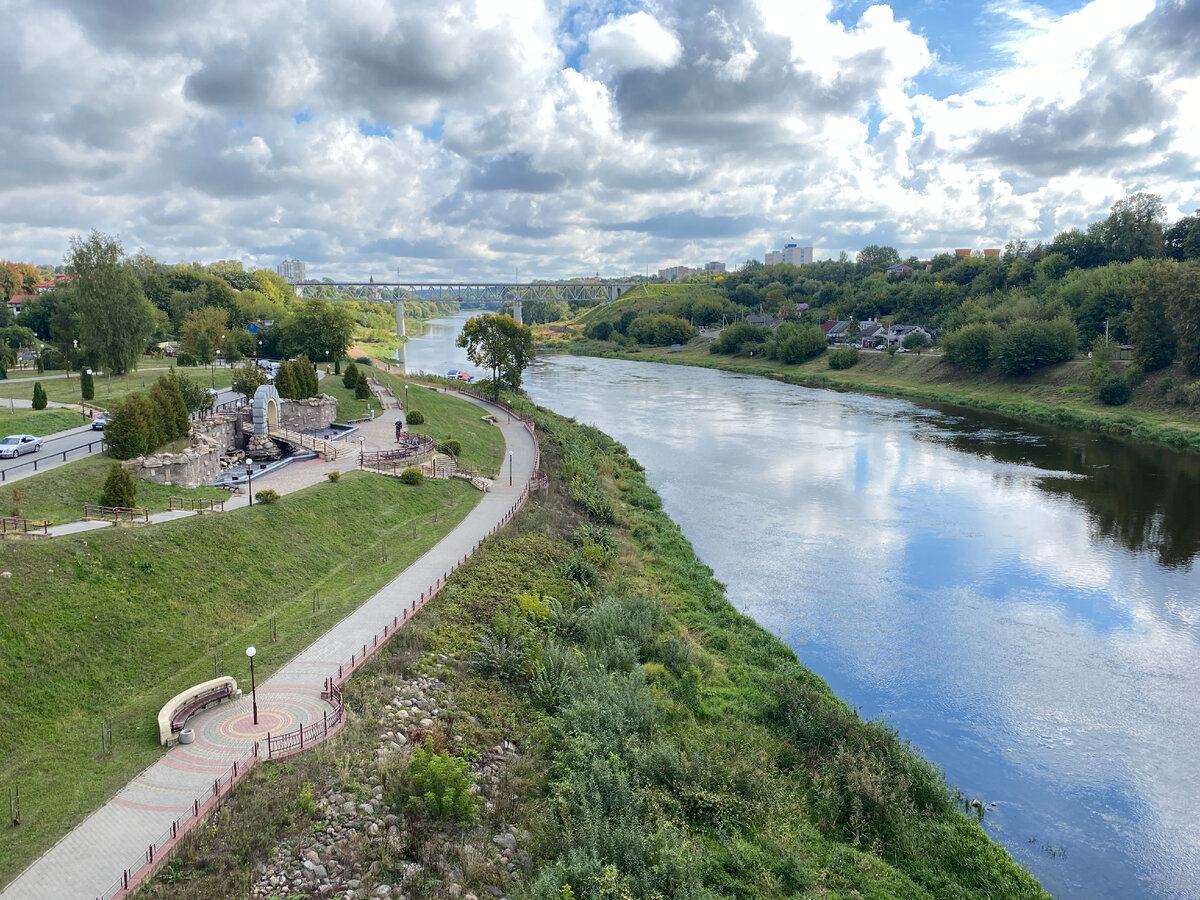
pixel 1022 603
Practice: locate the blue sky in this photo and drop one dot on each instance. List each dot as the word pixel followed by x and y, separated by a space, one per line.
pixel 474 138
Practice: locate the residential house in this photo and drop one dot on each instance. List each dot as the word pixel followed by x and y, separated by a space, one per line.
pixel 15 302
pixel 899 269
pixel 897 333
pixel 836 331
pixel 870 331
pixel 762 321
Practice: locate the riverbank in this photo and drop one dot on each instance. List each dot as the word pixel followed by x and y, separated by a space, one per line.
pixel 1057 395
pixel 628 731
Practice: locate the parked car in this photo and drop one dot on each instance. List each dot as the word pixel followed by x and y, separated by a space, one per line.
pixel 99 422
pixel 16 444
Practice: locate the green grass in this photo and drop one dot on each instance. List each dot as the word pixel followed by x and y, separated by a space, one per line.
pixel 60 389
pixel 38 421
pixel 58 495
pixel 111 624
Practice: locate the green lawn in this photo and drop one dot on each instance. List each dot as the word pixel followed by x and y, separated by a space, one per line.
pixel 38 421
pixel 61 389
pixel 59 494
pixel 112 624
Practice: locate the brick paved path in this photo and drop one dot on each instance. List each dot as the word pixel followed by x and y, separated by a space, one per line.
pixel 87 861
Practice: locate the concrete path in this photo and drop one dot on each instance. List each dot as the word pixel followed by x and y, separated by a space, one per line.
pixel 89 860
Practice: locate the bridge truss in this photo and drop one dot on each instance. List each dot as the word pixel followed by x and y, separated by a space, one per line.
pixel 477 291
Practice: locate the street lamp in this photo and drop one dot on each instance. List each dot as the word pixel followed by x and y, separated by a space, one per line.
pixel 406 403
pixel 250 479
pixel 361 452
pixel 250 651
pixel 510 468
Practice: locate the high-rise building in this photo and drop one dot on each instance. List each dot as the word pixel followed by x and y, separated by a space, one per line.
pixel 292 271
pixel 791 253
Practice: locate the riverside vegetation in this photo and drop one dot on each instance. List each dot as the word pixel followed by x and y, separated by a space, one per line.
pixel 629 733
pixel 99 629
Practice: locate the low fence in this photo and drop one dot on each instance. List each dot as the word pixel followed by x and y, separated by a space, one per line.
pixel 195 503
pixel 116 514
pixel 222 409
pixel 17 525
pixel 417 451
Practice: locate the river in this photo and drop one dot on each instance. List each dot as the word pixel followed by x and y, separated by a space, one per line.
pixel 1020 602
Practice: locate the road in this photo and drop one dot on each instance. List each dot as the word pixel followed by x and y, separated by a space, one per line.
pixel 66 446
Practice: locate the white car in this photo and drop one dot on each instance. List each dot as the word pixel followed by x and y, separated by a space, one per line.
pixel 16 444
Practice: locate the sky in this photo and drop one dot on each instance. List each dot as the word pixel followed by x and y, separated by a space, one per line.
pixel 500 139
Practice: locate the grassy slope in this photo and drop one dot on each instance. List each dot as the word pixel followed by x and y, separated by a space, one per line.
pixel 38 421
pixel 690 756
pixel 111 624
pixel 59 494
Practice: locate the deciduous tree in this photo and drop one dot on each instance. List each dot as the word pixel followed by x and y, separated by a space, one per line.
pixel 116 320
pixel 501 344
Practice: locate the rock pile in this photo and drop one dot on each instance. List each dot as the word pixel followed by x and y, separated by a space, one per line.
pixel 359 847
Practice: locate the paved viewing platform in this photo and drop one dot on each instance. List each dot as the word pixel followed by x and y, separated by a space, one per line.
pixel 89 861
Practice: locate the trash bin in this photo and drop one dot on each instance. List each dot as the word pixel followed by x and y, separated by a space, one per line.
pixel 187 736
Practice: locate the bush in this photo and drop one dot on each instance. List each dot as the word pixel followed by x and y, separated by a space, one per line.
pixel 334 477
pixel 843 358
pixel 412 475
pixel 415 417
pixel 270 495
pixel 499 658
pixel 130 430
pixel 362 390
pixel 350 376
pixel 1027 346
pixel 87 386
pixel 119 488
pixel 39 396
pixel 734 336
pixel 1115 391
pixel 440 785
pixel 1165 386
pixel 185 359
pixel 364 360
pixel 972 347
pixel 452 446
pixel 599 331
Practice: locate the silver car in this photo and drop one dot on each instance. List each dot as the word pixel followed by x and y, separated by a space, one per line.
pixel 16 444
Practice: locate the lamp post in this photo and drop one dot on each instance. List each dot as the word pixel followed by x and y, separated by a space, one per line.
pixel 250 651
pixel 406 403
pixel 250 480
pixel 361 452
pixel 510 468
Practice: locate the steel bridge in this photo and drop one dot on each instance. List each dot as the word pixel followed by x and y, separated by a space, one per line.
pixel 484 291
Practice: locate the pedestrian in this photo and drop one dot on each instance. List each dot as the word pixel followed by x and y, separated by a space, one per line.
pixel 399 429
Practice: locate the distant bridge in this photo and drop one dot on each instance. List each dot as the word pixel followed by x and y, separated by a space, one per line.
pixel 486 291
pixel 476 292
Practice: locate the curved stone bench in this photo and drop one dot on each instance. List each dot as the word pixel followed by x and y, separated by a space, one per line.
pixel 173 716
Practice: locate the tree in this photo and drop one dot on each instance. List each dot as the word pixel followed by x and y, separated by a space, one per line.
pixel 170 411
pixel 350 376
pixel 1154 339
pixel 874 258
pixel 87 385
pixel 248 379
pixel 915 340
pixel 498 343
pixel 130 428
pixel 1026 345
pixel 285 383
pixel 318 329
pixel 1183 292
pixel 203 331
pixel 1134 228
pixel 971 347
pixel 39 395
pixel 119 488
pixel 116 320
pixel 196 397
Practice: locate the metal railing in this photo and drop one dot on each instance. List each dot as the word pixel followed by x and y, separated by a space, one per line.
pixel 195 503
pixel 45 458
pixel 116 514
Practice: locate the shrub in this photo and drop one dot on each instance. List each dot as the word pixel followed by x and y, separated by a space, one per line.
pixel 1115 391
pixel 130 428
pixel 87 385
pixel 119 488
pixel 1026 345
pixel 350 376
pixel 362 389
pixel 734 336
pixel 308 805
pixel 843 358
pixel 415 417
pixel 270 495
pixel 1165 386
pixel 185 359
pixel 599 331
pixel 364 360
pixel 39 395
pixel 499 658
pixel 440 785
pixel 334 477
pixel 452 446
pixel 412 475
pixel 972 347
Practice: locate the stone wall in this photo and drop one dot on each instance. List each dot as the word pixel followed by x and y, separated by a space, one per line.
pixel 199 464
pixel 312 414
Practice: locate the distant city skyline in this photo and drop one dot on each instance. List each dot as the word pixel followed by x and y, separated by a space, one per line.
pixel 471 140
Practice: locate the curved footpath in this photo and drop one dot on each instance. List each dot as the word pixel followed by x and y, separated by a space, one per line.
pixel 91 861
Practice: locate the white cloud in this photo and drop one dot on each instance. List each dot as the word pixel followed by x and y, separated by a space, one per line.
pixel 632 42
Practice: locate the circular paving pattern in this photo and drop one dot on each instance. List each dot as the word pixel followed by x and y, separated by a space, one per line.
pixel 241 727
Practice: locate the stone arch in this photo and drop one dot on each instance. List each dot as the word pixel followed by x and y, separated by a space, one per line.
pixel 264 409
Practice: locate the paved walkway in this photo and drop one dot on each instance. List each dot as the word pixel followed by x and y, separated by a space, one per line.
pixel 87 861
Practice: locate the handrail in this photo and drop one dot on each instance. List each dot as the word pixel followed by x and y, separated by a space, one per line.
pixel 18 525
pixel 115 513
